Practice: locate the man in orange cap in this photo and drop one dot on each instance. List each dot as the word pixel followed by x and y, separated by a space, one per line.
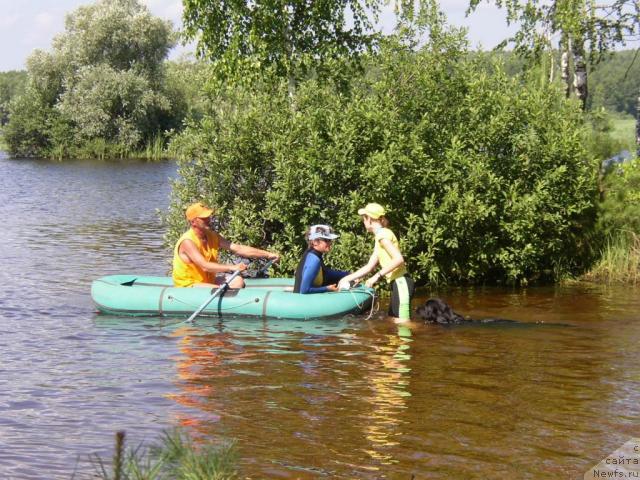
pixel 195 256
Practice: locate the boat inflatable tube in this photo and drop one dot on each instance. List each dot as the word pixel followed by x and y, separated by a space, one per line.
pixel 138 295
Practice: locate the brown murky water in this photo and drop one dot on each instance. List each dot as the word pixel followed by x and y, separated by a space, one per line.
pixel 352 398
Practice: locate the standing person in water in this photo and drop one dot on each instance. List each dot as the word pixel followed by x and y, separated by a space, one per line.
pixel 312 276
pixel 195 256
pixel 386 252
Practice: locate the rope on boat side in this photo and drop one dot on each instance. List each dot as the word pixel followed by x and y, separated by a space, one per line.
pixel 221 309
pixel 373 302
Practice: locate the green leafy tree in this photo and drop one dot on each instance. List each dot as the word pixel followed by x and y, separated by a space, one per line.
pixel 288 38
pixel 12 85
pixel 120 33
pixel 186 81
pixel 486 176
pixel 102 84
pixel 113 104
pixel 27 133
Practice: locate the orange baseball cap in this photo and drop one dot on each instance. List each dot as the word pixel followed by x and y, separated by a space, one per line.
pixel 198 210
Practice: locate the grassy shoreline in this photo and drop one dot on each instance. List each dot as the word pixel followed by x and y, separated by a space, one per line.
pixel 619 262
pixel 155 150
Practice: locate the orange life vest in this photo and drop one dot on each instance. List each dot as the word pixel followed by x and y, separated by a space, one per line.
pixel 186 274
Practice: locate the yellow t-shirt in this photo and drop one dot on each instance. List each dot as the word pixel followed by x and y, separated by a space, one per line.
pixel 383 256
pixel 186 274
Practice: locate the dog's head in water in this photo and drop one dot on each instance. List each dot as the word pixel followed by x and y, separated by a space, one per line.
pixel 438 311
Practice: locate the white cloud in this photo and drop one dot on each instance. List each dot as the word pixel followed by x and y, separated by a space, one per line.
pixel 167 9
pixel 9 20
pixel 42 28
pixel 45 20
pixel 174 12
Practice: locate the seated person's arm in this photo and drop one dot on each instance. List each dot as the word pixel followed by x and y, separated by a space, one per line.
pixel 361 272
pixel 310 270
pixel 247 251
pixel 334 276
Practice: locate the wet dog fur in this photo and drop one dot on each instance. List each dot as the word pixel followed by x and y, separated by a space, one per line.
pixel 437 311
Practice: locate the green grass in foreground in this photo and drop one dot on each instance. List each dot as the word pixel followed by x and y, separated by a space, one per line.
pixel 619 262
pixel 176 458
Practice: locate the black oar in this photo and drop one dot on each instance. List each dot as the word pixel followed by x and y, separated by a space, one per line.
pixel 213 295
pixel 222 287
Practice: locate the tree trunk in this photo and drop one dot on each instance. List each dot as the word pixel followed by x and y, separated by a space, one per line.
pixel 291 86
pixel 565 45
pixel 638 128
pixel 291 78
pixel 552 59
pixel 580 72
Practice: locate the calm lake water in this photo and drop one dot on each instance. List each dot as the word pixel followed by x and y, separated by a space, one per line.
pixel 350 398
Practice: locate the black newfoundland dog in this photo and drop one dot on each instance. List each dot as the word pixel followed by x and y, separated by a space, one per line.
pixel 439 312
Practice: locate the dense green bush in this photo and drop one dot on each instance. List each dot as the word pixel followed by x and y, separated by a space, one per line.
pixel 486 176
pixel 12 85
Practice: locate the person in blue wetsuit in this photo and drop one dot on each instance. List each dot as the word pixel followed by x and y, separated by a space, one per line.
pixel 312 276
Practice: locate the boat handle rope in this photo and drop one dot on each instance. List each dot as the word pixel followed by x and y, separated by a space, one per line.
pixel 373 303
pixel 177 300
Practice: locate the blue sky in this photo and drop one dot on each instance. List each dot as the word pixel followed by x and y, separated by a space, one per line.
pixel 26 25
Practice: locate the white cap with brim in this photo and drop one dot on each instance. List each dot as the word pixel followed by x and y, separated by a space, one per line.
pixel 322 231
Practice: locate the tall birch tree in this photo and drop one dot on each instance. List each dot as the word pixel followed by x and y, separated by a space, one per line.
pixel 583 29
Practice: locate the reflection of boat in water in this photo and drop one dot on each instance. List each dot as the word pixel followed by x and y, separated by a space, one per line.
pixel 266 297
pixel 245 330
pixel 216 354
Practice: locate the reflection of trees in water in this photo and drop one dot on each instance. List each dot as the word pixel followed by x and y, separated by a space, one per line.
pixel 389 380
pixel 296 392
pixel 200 363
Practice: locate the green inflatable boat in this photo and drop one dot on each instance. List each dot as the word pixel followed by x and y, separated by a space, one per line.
pixel 265 297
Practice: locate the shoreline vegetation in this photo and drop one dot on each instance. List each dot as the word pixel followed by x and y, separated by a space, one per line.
pixel 619 261
pixel 154 150
pixel 176 457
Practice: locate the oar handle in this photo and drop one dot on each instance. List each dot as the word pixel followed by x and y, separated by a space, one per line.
pixel 213 295
pixel 266 266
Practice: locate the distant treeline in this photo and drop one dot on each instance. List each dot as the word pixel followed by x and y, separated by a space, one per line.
pixel 614 83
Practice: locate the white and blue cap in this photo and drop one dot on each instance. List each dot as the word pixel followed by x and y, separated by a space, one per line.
pixel 322 231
